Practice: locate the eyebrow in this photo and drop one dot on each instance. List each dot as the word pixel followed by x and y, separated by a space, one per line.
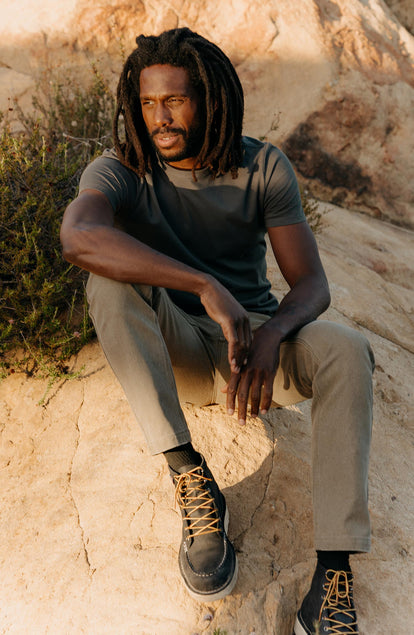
pixel 164 95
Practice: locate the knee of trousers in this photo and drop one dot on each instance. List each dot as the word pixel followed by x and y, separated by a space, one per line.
pixel 339 344
pixel 111 295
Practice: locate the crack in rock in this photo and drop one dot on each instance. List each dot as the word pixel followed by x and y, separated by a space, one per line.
pixel 267 482
pixel 85 552
pixel 265 490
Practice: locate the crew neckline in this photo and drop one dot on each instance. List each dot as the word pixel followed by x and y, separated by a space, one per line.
pixel 185 176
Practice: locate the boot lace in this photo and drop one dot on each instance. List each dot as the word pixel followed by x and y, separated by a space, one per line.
pixel 197 503
pixel 338 602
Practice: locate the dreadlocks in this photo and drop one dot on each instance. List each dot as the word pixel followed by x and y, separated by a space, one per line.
pixel 217 84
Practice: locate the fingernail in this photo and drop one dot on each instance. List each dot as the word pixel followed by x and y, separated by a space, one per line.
pixel 253 416
pixel 242 422
pixel 230 411
pixel 263 411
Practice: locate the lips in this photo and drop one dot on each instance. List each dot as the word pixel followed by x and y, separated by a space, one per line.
pixel 166 140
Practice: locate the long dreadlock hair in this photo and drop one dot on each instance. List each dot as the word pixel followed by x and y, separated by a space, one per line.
pixel 220 96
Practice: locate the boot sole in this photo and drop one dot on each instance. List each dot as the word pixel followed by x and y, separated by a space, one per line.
pixel 298 628
pixel 219 595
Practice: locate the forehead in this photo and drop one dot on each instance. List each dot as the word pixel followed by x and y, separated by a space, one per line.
pixel 164 79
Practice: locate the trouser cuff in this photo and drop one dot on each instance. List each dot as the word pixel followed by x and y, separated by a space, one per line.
pixel 169 442
pixel 343 543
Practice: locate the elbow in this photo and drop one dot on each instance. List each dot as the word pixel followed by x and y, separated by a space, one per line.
pixel 70 249
pixel 67 255
pixel 326 297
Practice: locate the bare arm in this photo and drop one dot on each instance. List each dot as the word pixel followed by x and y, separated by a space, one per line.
pixel 90 241
pixel 295 250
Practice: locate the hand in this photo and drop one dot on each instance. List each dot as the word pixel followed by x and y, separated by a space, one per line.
pixel 224 309
pixel 257 376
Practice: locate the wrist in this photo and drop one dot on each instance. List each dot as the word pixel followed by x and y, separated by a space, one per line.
pixel 203 283
pixel 274 330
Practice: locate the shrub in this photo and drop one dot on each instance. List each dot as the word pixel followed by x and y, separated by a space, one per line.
pixel 312 213
pixel 42 304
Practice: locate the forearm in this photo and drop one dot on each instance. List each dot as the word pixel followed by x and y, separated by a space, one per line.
pixel 302 304
pixel 114 254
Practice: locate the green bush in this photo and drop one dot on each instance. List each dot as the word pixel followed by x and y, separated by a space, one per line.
pixel 312 213
pixel 43 316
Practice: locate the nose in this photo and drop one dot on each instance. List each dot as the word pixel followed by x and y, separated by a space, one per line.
pixel 162 115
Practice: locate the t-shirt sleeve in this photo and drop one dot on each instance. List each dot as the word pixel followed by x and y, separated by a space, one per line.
pixel 107 175
pixel 282 202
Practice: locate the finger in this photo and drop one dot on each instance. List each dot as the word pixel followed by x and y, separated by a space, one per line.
pixel 231 390
pixel 233 350
pixel 255 392
pixel 234 362
pixel 248 337
pixel 267 393
pixel 243 398
pixel 239 344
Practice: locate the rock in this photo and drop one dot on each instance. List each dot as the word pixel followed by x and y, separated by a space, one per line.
pixel 331 81
pixel 404 11
pixel 89 532
pixel 345 148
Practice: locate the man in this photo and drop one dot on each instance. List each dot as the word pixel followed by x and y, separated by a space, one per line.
pixel 171 225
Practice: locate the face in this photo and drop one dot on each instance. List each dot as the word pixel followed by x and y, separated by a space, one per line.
pixel 170 109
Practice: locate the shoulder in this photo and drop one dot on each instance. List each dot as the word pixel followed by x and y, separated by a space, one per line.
pixel 108 175
pixel 108 170
pixel 108 163
pixel 281 201
pixel 265 156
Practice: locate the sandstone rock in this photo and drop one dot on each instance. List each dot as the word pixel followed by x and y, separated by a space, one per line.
pixel 404 11
pixel 347 149
pixel 89 533
pixel 332 81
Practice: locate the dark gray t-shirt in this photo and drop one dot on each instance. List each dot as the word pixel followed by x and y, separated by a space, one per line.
pixel 214 225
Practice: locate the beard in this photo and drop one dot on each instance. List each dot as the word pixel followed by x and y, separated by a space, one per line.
pixel 192 141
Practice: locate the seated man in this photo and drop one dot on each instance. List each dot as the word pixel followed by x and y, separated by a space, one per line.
pixel 171 226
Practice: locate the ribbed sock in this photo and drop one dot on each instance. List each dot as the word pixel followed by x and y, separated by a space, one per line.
pixel 181 456
pixel 337 560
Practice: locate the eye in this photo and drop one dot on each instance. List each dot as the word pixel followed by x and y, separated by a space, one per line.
pixel 147 102
pixel 175 101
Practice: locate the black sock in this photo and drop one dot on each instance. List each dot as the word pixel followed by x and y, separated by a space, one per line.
pixel 181 456
pixel 337 560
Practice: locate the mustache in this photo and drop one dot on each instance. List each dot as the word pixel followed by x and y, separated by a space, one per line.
pixel 167 130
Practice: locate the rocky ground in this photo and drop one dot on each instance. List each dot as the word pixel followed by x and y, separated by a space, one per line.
pixel 89 533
